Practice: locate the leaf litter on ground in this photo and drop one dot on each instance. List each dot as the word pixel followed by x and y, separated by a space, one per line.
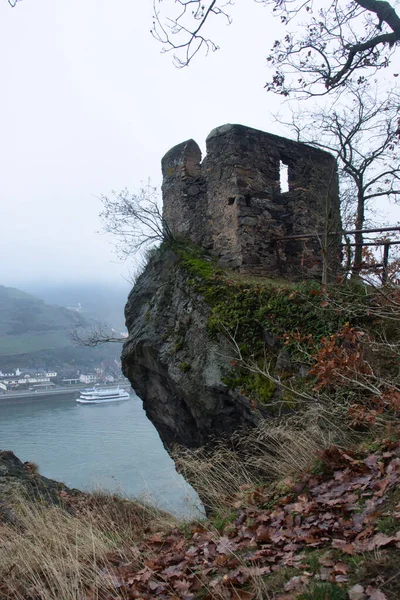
pixel 331 511
pixel 336 511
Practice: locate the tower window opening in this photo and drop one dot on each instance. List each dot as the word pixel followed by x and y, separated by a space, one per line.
pixel 283 177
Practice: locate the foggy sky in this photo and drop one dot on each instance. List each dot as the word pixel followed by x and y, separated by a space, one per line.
pixel 89 104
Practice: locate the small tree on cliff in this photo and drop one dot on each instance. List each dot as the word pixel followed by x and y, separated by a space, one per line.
pixel 135 220
pixel 324 46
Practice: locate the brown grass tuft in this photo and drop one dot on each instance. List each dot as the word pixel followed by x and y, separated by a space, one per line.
pixel 31 467
pixel 269 452
pixel 55 554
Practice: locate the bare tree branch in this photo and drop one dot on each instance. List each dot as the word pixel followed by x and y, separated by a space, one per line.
pixel 135 220
pixel 186 27
pixel 342 35
pixel 94 335
pixel 363 132
pixel 322 51
pixel 323 48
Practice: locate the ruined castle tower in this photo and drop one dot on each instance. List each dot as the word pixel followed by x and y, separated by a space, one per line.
pixel 251 188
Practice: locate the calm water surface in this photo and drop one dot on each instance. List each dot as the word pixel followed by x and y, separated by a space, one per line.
pixel 113 446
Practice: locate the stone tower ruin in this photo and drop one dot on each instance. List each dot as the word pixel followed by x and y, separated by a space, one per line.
pixel 236 204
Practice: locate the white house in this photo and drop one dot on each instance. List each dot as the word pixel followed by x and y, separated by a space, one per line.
pixel 89 378
pixel 15 373
pixel 70 380
pixel 37 379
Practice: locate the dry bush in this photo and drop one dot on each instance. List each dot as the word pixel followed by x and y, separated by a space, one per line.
pixel 55 554
pixel 269 452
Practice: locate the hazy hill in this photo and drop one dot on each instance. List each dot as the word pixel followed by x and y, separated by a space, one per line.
pixel 21 313
pixel 33 332
pixel 104 302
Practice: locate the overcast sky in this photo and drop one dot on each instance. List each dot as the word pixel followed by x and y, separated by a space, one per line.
pixel 90 104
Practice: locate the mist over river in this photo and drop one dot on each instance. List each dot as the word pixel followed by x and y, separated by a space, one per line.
pixel 113 446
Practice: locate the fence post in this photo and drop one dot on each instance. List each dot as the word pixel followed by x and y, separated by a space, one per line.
pixel 278 257
pixel 386 248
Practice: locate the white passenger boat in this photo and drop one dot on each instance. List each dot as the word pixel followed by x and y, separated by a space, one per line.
pixel 101 395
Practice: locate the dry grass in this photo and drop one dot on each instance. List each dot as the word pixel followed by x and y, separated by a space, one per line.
pixel 53 554
pixel 269 452
pixel 128 518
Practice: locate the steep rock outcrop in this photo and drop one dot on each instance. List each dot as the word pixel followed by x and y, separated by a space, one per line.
pixel 19 479
pixel 175 366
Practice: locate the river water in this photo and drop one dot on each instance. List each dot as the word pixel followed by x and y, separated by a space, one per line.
pixel 111 446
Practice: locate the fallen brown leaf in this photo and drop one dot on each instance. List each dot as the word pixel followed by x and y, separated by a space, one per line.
pixel 356 592
pixel 295 583
pixel 341 568
pixel 375 594
pixel 380 540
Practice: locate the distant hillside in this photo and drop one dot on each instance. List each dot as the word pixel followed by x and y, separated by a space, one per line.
pixel 32 332
pixel 28 324
pixel 104 302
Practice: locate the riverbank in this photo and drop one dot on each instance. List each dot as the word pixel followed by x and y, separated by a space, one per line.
pixel 58 390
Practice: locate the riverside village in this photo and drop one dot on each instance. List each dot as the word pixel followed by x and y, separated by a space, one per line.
pixel 41 379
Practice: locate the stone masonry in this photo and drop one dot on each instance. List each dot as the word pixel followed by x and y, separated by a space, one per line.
pixel 233 202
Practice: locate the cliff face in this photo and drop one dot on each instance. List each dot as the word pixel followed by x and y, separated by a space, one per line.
pixel 174 364
pixel 211 351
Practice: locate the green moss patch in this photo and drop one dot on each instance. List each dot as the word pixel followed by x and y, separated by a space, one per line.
pixel 253 385
pixel 252 311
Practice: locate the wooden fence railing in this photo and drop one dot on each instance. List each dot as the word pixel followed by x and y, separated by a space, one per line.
pixel 385 243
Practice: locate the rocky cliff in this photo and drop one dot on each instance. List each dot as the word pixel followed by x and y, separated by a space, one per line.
pixel 182 314
pixel 173 361
pixel 211 351
pixel 21 480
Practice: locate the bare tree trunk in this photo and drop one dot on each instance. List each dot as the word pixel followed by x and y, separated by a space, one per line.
pixel 325 248
pixel 324 280
pixel 358 237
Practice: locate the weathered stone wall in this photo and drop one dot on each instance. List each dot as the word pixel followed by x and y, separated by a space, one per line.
pixel 184 195
pixel 232 203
